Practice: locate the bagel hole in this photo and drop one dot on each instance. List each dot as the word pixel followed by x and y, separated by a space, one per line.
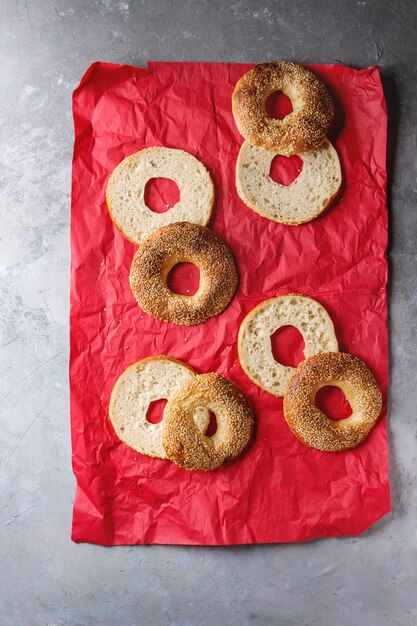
pixel 212 427
pixel 184 279
pixel 155 411
pixel 278 105
pixel 161 194
pixel 333 403
pixel 285 169
pixel 288 345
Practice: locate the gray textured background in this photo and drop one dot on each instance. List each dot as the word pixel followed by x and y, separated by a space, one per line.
pixel 45 579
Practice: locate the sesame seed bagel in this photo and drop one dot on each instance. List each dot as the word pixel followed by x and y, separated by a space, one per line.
pixel 300 131
pixel 185 444
pixel 153 378
pixel 178 243
pixel 254 340
pixel 301 201
pixel 125 194
pixel 310 425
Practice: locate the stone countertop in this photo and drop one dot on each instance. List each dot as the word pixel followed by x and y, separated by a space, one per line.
pixel 45 578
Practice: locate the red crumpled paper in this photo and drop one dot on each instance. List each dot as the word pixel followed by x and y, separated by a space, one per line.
pixel 280 490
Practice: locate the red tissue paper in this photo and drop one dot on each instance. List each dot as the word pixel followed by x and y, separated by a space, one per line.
pixel 279 490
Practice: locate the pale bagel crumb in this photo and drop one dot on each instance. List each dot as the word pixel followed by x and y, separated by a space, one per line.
pixel 310 425
pixel 177 243
pixel 300 131
pixel 254 339
pixel 190 448
pixel 153 378
pixel 301 201
pixel 126 189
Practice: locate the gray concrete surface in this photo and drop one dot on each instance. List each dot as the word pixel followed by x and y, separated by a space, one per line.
pixel 45 579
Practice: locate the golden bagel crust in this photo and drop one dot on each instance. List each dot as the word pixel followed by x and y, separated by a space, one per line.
pixel 191 449
pixel 178 243
pixel 300 131
pixel 310 425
